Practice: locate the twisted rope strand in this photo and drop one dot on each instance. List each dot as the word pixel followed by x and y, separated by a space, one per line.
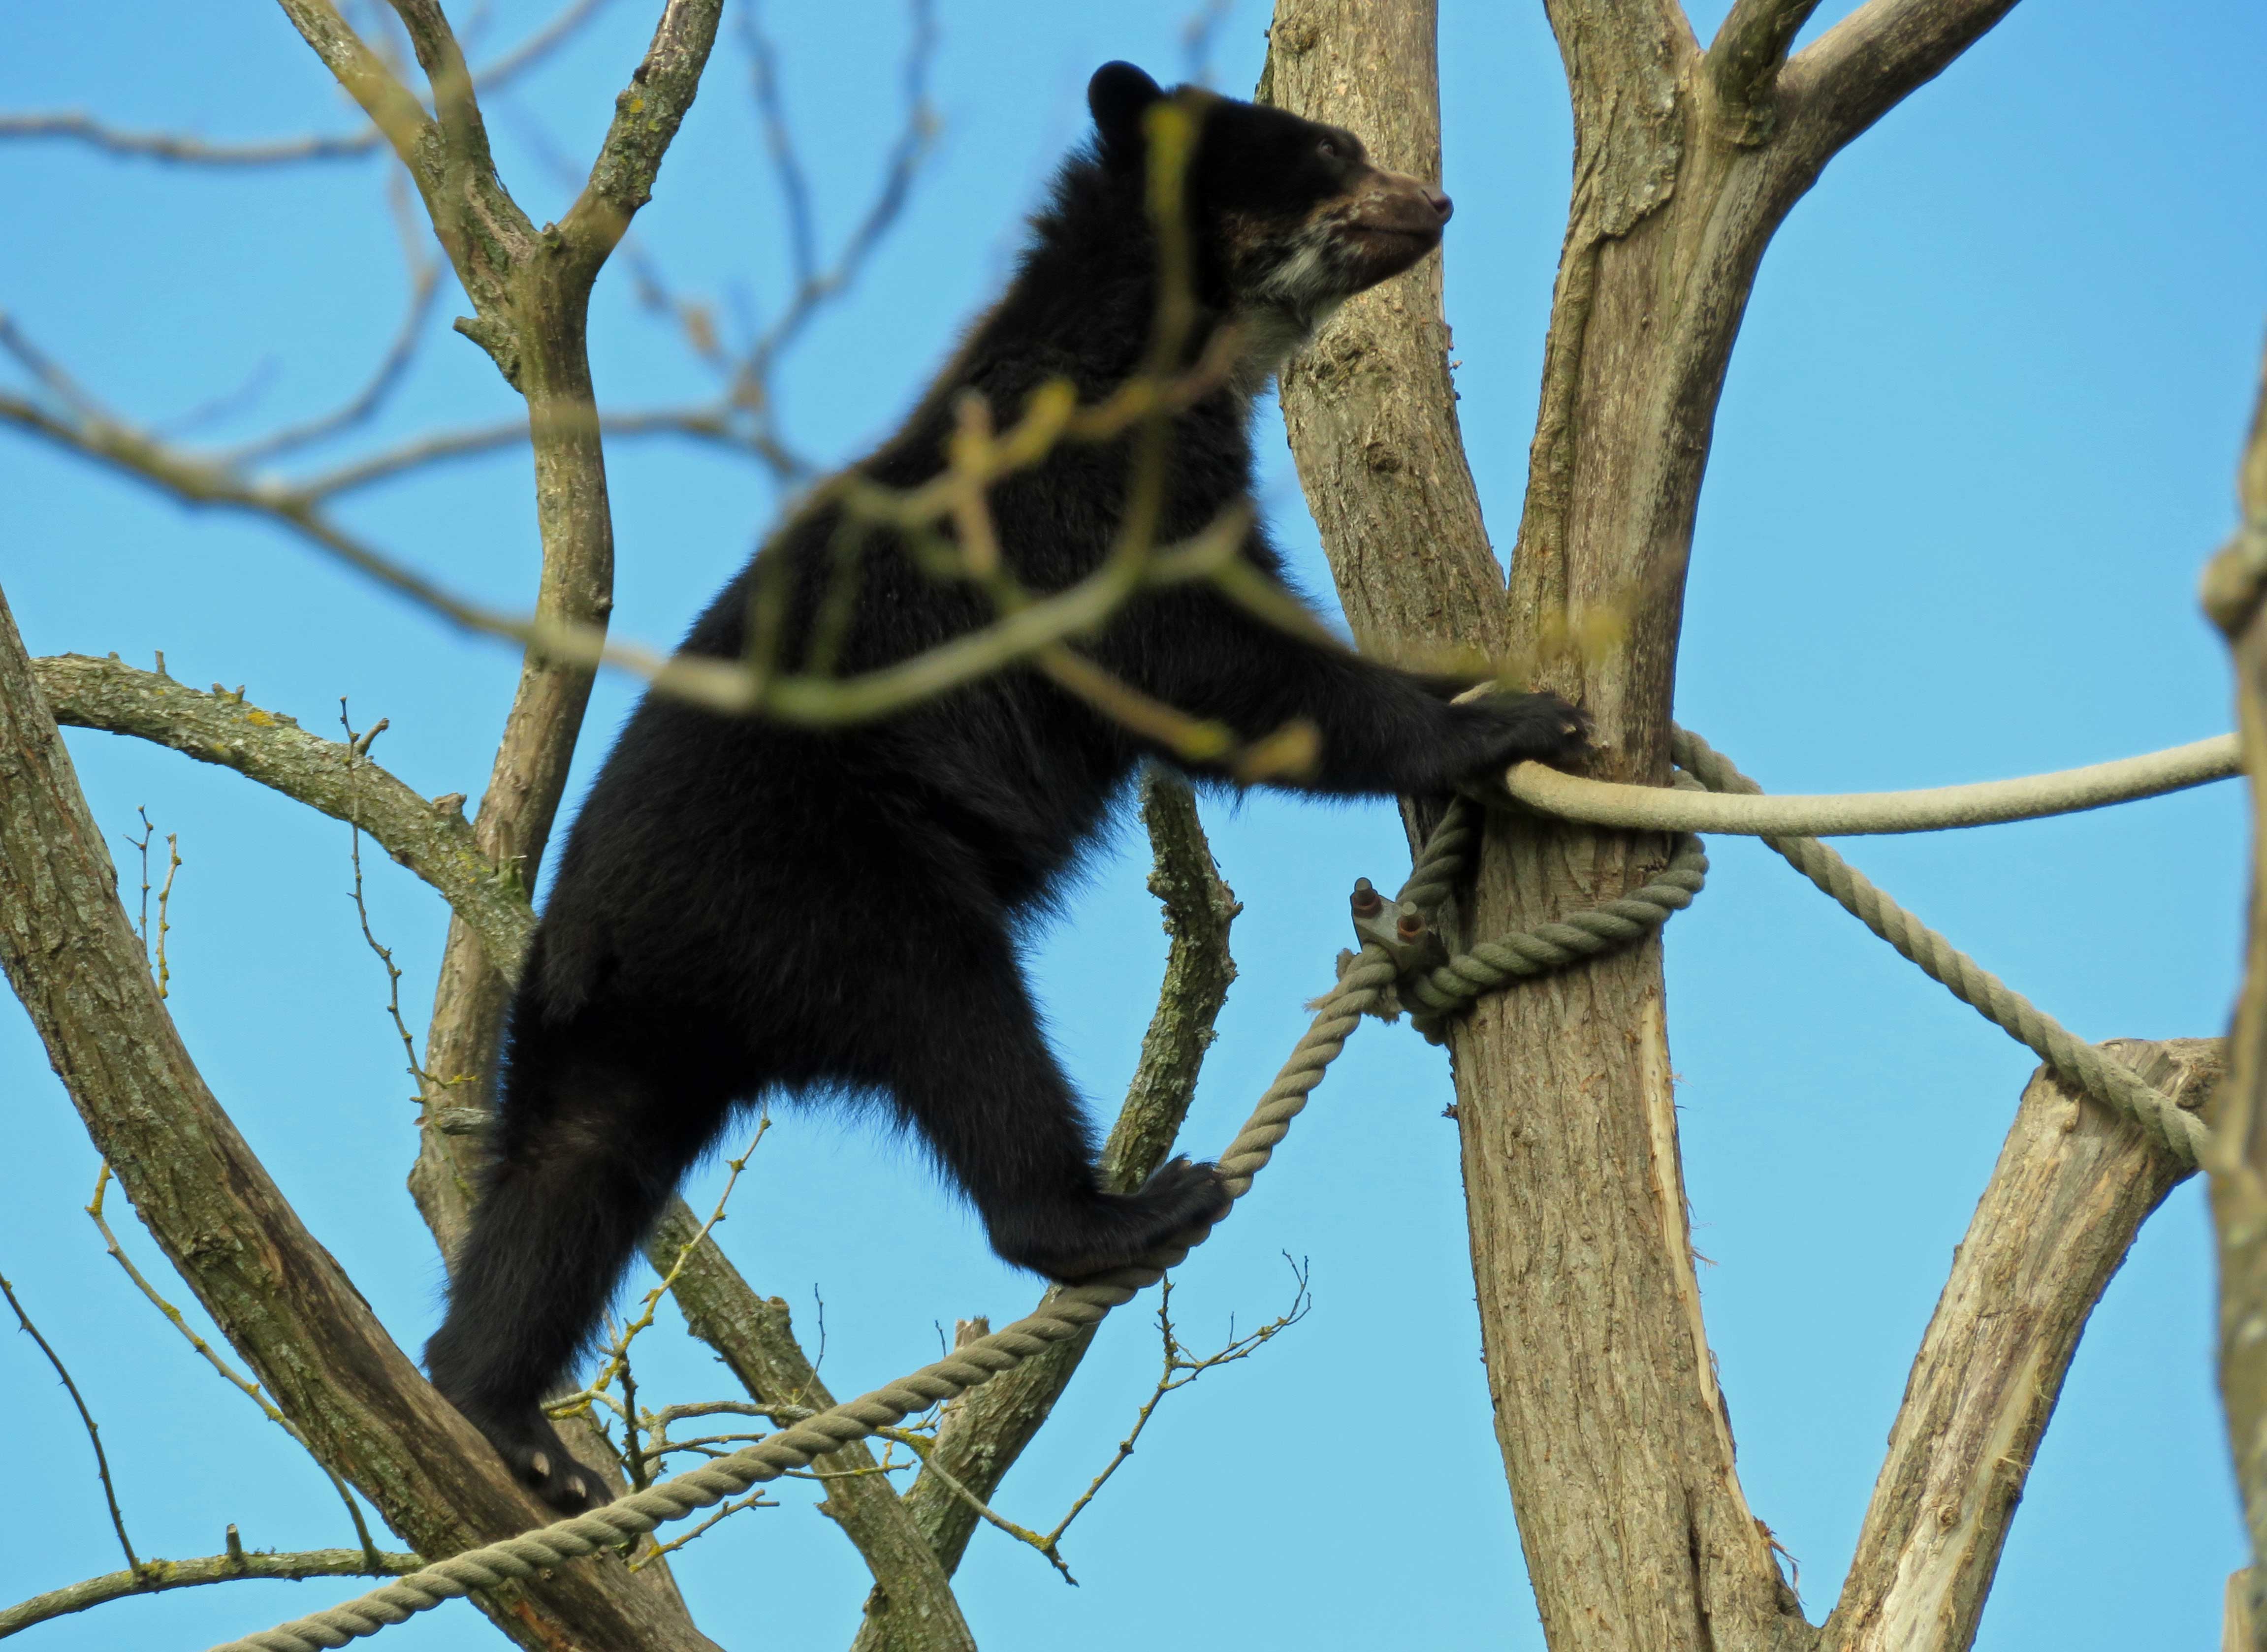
pixel 1488 967
pixel 2101 1076
pixel 1491 966
pixel 1064 1313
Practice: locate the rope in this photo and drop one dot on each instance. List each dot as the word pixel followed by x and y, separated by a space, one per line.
pixel 1434 995
pixel 1653 809
pixel 1367 981
pixel 2101 1076
pixel 1061 1316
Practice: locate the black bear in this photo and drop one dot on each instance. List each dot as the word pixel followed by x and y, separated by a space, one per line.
pixel 745 907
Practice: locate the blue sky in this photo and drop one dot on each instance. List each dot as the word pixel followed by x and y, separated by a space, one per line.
pixel 1977 441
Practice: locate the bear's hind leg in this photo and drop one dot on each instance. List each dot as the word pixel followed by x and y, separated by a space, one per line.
pixel 574 1189
pixel 969 1068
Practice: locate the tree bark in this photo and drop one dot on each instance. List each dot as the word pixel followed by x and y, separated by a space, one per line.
pixel 1614 1437
pixel 2072 1188
pixel 300 1325
pixel 913 1608
pixel 2233 588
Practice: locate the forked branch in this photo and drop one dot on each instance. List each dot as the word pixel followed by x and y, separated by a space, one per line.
pixel 2070 1189
pixel 1744 59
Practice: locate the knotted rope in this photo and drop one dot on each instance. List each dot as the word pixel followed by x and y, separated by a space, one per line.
pixel 1064 1313
pixel 1370 982
pixel 1434 995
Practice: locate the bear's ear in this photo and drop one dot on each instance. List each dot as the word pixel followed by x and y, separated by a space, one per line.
pixel 1119 95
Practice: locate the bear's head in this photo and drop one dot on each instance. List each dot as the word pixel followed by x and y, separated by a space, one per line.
pixel 1290 215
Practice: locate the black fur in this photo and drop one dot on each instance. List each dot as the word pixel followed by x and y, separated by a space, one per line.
pixel 745 909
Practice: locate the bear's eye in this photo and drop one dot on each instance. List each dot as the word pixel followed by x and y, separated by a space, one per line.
pixel 1327 149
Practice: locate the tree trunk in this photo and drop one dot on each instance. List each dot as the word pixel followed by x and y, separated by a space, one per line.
pixel 2233 589
pixel 1614 1437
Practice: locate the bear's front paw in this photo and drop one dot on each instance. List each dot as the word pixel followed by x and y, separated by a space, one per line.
pixel 1506 728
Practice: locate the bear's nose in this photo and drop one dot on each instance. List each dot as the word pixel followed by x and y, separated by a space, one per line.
pixel 1442 207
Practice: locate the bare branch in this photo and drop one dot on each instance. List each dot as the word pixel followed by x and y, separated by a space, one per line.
pixel 1181 1368
pixel 306 1333
pixel 1199 909
pixel 450 79
pixel 181 147
pixel 93 1435
pixel 424 288
pixel 2070 1189
pixel 1744 59
pixel 1370 407
pixel 46 370
pixel 155 1576
pixel 712 423
pixel 171 146
pixel 567 637
pixel 756 1339
pixel 2234 586
pixel 647 115
pixel 509 66
pixel 391 107
pixel 430 838
pixel 1871 61
pixel 814 287
pixel 228 1373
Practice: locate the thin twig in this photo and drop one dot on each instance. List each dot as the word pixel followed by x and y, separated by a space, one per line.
pixel 234 1378
pixel 158 965
pixel 93 1432
pixel 753 1500
pixel 357 752
pixel 424 288
pixel 1180 1369
pixel 47 371
pixel 142 848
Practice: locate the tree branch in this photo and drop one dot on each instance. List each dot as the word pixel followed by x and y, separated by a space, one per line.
pixel 754 1336
pixel 390 104
pixel 2234 586
pixel 432 838
pixel 647 115
pixel 169 146
pixel 2072 1188
pixel 1744 59
pixel 1871 61
pixel 155 1576
pixel 1369 406
pixel 93 1434
pixel 305 1331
